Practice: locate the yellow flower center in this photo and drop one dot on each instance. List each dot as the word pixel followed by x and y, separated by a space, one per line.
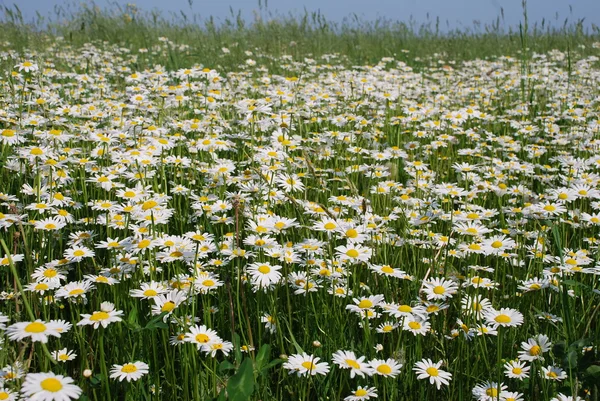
pixel 517 371
pixel 168 306
pixel 414 325
pixel 98 316
pixel 329 226
pixel 35 327
pixel 387 269
pixel 384 369
pixel 353 253
pixel 78 253
pixel 76 291
pixel 308 365
pixel 365 303
pixel 439 290
pixel 496 244
pixel 264 269
pixel 502 319
pixel 150 293
pixel 360 392
pixel 432 371
pixel 351 233
pixel 51 384
pixel 202 338
pixel 149 205
pixel 129 368
pixel 491 392
pixel 535 350
pixel 352 363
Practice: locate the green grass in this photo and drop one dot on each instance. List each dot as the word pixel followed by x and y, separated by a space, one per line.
pixel 307 35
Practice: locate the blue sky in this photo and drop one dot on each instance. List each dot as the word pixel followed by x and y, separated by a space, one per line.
pixel 459 13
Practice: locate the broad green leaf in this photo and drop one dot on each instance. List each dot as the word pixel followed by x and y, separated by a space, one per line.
pixel 262 356
pixel 593 371
pixel 241 385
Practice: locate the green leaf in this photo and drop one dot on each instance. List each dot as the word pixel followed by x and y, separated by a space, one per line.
pixel 570 360
pixel 574 283
pixel 132 319
pixel 157 322
pixel 262 356
pixel 241 385
pixel 222 396
pixel 593 371
pixel 559 349
pixel 237 349
pixel 226 366
pixel 274 362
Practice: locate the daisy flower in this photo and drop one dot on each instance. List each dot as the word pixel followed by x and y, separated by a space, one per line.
pixel 553 373
pixel 304 364
pixel 562 397
pixel 3 319
pixel 516 370
pixel 511 396
pixel 348 360
pixel 219 345
pixel 105 316
pixel 387 368
pixel 362 304
pixel 27 66
pixel 49 387
pixel 354 253
pixel 76 289
pixel 148 290
pixel 168 302
pixel 416 325
pixel 534 348
pixel 77 253
pixel 7 395
pixel 129 371
pixel 264 275
pixel 290 183
pixel 439 288
pixel 50 224
pixel 48 274
pixel 202 336
pixel 38 331
pixel 488 391
pixel 426 368
pixel 362 393
pixel 504 317
pixel 63 355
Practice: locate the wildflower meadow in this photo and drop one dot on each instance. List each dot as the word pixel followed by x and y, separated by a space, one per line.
pixel 250 218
